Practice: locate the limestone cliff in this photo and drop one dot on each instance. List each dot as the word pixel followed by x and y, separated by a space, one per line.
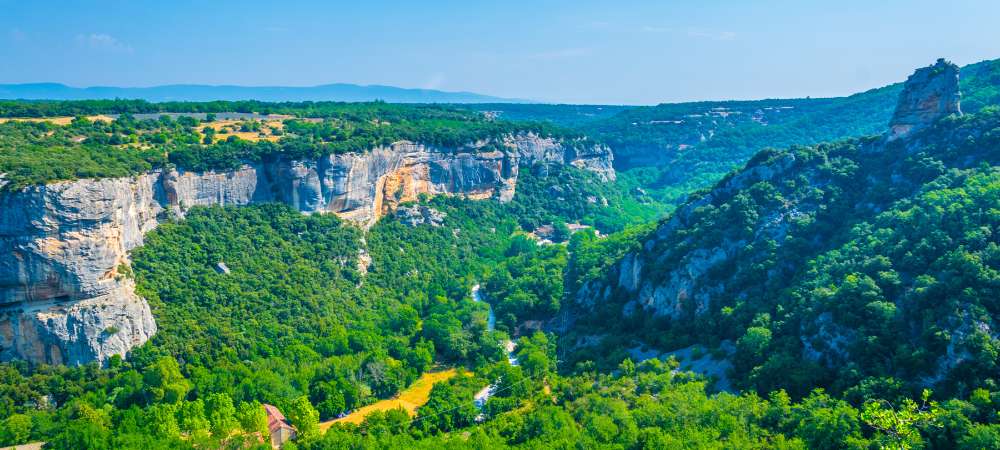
pixel 929 94
pixel 65 297
pixel 669 281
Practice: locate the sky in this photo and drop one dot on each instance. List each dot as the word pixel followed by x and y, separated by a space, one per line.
pixel 621 52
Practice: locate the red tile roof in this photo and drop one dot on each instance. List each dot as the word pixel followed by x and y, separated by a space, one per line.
pixel 275 419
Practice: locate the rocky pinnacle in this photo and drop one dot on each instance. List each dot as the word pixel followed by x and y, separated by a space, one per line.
pixel 929 94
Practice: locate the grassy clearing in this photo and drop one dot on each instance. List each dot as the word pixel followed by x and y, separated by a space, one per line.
pixel 223 128
pixel 64 120
pixel 409 399
pixel 226 128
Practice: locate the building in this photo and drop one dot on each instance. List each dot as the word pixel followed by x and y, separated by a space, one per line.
pixel 222 268
pixel 281 431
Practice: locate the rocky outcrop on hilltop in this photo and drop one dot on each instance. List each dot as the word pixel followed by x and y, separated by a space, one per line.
pixel 65 295
pixel 864 257
pixel 739 247
pixel 676 272
pixel 670 282
pixel 929 94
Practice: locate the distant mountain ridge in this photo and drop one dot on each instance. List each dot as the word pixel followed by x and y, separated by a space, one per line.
pixel 198 92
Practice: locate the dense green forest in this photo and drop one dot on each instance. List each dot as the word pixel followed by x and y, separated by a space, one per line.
pixel 31 153
pixel 294 322
pixel 574 116
pixel 651 405
pixel 350 111
pixel 303 330
pixel 553 193
pixel 888 273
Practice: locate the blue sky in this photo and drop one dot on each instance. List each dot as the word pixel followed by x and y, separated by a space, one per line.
pixel 558 51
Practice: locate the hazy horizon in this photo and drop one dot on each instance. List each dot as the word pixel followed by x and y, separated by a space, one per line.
pixel 552 52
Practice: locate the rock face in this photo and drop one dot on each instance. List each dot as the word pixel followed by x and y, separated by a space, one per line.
pixel 929 94
pixel 74 333
pixel 419 215
pixel 679 282
pixel 62 298
pixel 65 295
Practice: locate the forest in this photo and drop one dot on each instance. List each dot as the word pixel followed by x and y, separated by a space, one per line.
pixel 859 311
pixel 295 324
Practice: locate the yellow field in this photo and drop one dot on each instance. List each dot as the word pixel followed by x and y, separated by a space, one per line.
pixel 65 120
pixel 409 399
pixel 233 127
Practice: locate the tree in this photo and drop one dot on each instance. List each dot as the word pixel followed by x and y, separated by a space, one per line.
pixel 521 244
pixel 393 421
pixel 549 424
pixel 535 362
pixel 560 232
pixel 304 416
pixel 329 399
pixel 252 418
pixel 221 414
pixel 82 433
pixel 164 381
pixel 627 367
pixel 209 135
pixel 406 320
pixel 827 423
pixel 898 428
pixel 162 420
pixel 754 342
pixel 751 347
pixel 981 436
pixel 16 429
pixel 449 407
pixel 191 416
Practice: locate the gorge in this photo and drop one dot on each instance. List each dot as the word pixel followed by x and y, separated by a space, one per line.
pixel 65 294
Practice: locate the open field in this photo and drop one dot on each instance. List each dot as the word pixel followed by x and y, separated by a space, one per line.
pixel 63 120
pixel 409 399
pixel 223 127
pixel 232 128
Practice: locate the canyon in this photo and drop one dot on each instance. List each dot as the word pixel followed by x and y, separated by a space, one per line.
pixel 66 296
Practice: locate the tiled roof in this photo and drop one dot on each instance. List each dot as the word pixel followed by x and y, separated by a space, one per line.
pixel 275 419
